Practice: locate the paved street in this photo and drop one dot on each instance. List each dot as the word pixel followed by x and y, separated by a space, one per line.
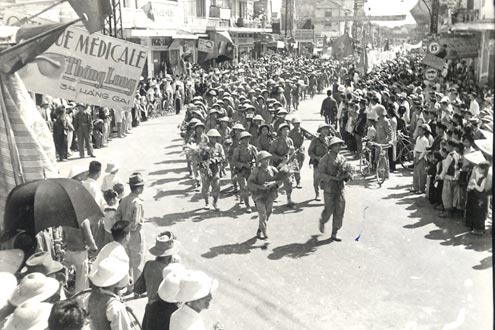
pixel 409 269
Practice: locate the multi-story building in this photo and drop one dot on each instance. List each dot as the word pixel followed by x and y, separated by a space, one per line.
pixel 478 17
pixel 305 20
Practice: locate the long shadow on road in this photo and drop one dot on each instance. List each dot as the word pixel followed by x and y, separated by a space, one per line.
pixel 237 248
pixel 449 232
pixel 298 250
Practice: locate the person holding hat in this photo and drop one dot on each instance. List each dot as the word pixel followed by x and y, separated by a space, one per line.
pixel 105 308
pixel 157 315
pixel 195 290
pixel 165 251
pixel 332 176
pixel 317 149
pixel 131 209
pixel 211 157
pixel 83 126
pixel 243 159
pixel 283 153
pixel 329 109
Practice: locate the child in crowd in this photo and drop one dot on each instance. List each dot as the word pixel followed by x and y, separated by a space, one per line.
pixel 105 229
pixel 119 189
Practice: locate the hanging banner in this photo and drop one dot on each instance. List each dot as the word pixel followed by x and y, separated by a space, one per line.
pixel 87 68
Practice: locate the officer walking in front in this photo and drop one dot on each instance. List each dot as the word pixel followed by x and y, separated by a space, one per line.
pixel 329 172
pixel 263 184
pixel 131 209
pixel 317 149
pixel 83 125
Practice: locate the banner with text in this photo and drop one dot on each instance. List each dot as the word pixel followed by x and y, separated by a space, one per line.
pixel 87 68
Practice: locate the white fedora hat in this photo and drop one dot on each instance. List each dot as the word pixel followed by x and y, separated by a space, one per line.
pixel 29 316
pixel 170 286
pixel 165 245
pixel 109 271
pixel 9 283
pixel 34 287
pixel 195 285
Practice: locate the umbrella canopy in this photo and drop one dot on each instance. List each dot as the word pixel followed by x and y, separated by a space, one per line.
pixel 41 204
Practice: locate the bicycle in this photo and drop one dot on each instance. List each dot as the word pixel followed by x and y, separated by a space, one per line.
pixel 405 152
pixel 380 166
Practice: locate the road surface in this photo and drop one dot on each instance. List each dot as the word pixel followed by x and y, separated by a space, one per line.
pixel 408 270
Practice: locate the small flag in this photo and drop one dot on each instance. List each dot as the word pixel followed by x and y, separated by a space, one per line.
pixel 29 46
pixel 148 10
pixel 92 12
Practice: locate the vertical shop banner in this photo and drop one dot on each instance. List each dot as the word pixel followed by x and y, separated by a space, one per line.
pixel 435 11
pixel 88 68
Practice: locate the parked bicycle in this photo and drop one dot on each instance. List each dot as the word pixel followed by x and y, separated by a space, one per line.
pixel 405 152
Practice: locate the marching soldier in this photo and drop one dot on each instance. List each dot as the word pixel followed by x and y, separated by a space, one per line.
pixel 265 139
pixel 263 184
pixel 282 150
pixel 297 136
pixel 243 159
pixel 317 149
pixel 332 177
pixel 236 133
pixel 211 157
pixel 279 119
pixel 197 139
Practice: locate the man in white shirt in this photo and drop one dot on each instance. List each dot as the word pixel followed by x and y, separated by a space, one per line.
pixel 92 185
pixel 110 179
pixel 474 107
pixel 195 291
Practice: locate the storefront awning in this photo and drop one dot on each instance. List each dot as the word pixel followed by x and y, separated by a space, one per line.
pixel 223 36
pixel 152 33
pixel 185 35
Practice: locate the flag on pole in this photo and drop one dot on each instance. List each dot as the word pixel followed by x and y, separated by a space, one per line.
pixel 92 12
pixel 32 41
pixel 27 150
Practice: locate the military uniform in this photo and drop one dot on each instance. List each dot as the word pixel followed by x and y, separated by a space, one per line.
pixel 242 159
pixel 263 198
pixel 297 137
pixel 196 140
pixel 210 172
pixel 281 149
pixel 317 149
pixel 264 142
pixel 333 190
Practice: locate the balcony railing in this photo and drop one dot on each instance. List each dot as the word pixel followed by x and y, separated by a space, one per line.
pixel 466 16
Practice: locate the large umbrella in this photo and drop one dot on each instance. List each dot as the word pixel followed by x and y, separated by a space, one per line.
pixel 40 204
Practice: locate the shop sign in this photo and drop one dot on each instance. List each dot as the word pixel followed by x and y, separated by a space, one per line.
pixel 304 34
pixel 433 61
pixel 458 46
pixel 206 45
pixel 244 41
pixel 89 68
pixel 319 42
pixel 431 74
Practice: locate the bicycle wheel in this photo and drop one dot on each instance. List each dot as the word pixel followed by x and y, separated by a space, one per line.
pixel 406 158
pixel 364 165
pixel 381 170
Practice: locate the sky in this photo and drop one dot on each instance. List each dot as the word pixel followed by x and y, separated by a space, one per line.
pixel 380 7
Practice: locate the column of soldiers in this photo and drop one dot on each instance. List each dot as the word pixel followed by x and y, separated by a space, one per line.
pixel 249 134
